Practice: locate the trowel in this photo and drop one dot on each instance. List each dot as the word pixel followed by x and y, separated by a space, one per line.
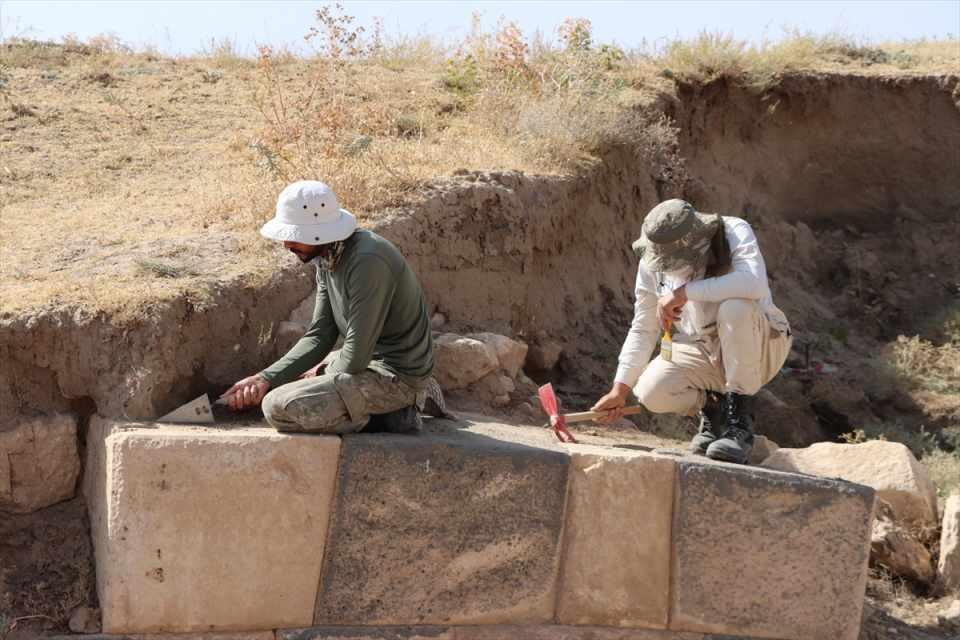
pixel 197 411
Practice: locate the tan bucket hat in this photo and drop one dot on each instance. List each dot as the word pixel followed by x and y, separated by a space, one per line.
pixel 674 236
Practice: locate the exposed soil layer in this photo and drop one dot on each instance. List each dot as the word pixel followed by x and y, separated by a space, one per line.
pixel 853 186
pixel 46 564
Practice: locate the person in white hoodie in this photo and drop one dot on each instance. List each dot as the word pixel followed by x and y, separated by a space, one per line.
pixel 702 281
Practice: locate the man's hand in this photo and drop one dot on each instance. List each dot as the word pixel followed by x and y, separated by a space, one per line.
pixel 313 372
pixel 668 307
pixel 247 392
pixel 612 403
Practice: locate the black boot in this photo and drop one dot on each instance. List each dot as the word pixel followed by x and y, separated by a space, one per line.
pixel 737 438
pixel 711 423
pixel 406 421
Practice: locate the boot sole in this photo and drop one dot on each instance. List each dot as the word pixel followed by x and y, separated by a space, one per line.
pixel 723 458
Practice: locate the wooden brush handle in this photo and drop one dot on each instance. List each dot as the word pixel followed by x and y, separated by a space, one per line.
pixel 593 415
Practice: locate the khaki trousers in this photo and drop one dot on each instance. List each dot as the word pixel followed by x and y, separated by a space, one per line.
pixel 335 403
pixel 744 355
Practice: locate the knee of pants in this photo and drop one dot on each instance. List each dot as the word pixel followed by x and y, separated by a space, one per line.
pixel 736 311
pixel 272 409
pixel 654 399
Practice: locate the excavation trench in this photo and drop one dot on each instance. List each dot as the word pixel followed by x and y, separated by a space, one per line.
pixel 851 182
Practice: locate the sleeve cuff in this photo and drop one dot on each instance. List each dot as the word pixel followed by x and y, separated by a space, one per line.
pixel 627 375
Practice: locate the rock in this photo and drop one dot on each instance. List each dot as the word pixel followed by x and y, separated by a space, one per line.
pixel 462 361
pixel 286 335
pixel 85 620
pixel 544 356
pixel 896 549
pixel 952 613
pixel 761 553
pixel 762 449
pixel 493 388
pixel 458 528
pixel 888 467
pixel 207 529
pixel 510 353
pixel 39 463
pixel 949 566
pixel 616 561
pixel 438 321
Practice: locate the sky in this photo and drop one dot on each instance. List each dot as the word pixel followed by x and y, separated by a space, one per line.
pixel 185 27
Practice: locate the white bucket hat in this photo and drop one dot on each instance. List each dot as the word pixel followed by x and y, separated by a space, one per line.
pixel 307 212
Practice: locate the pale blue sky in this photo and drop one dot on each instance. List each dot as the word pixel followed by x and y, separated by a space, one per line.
pixel 188 26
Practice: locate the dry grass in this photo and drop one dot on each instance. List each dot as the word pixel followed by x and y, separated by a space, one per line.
pixel 112 159
pixel 714 55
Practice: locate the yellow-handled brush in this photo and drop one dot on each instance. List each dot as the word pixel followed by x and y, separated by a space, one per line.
pixel 666 344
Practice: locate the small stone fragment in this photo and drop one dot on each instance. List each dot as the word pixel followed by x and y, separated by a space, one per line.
pixel 84 620
pixel 896 549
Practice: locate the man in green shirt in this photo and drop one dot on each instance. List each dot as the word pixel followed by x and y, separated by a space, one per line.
pixel 367 294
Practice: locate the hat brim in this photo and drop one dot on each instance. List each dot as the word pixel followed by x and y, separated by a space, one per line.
pixel 314 234
pixel 691 250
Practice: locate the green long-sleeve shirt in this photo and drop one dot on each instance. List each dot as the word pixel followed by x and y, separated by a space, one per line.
pixel 373 299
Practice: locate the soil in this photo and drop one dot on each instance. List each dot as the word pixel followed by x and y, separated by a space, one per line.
pixel 852 184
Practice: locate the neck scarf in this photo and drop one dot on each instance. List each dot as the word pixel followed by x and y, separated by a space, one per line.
pixel 330 255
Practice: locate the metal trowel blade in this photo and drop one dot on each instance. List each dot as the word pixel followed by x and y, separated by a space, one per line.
pixel 197 411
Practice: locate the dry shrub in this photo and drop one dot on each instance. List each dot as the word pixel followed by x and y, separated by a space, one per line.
pixel 925 366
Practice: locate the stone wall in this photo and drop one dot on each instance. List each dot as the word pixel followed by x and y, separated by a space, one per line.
pixel 473 530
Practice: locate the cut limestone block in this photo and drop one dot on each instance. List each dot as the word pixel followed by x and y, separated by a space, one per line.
pixel 485 632
pixel 445 528
pixel 237 635
pixel 556 632
pixel 768 554
pixel 888 467
pixel 616 560
pixel 208 529
pixel 39 463
pixel 368 633
pixel 949 566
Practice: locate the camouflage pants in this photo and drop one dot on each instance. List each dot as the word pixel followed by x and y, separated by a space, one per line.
pixel 335 403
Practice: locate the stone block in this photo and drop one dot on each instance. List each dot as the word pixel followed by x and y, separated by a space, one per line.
pixel 455 528
pixel 556 632
pixel 39 463
pixel 888 467
pixel 236 635
pixel 768 554
pixel 368 633
pixel 205 529
pixel 616 560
